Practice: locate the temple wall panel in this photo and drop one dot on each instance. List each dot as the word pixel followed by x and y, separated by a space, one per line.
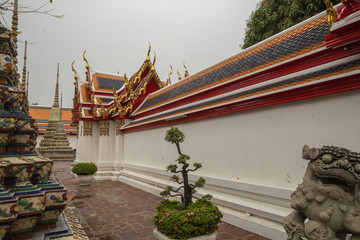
pixel 261 146
pixel 252 159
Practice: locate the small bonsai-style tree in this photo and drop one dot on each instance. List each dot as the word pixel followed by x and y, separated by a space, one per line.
pixel 175 136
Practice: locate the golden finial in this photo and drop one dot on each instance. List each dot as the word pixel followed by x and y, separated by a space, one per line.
pixel 170 72
pixel 73 69
pixel 179 74
pixel 153 64
pixel 102 109
pixel 23 82
pixel 87 63
pixel 331 13
pixel 186 74
pixel 126 81
pixel 148 53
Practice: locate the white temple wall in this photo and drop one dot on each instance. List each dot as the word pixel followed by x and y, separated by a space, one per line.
pixel 261 146
pixel 252 159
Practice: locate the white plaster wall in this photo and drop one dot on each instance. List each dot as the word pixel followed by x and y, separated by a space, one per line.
pixel 261 146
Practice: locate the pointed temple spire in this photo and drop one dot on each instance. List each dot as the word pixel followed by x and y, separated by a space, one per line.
pixel 15 19
pixel 27 86
pixel 56 98
pixel 14 33
pixel 61 108
pixel 23 82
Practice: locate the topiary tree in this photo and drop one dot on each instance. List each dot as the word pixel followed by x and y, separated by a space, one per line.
pixel 175 136
pixel 274 16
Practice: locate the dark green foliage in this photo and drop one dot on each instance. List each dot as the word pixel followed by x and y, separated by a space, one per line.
pixel 84 168
pixel 175 136
pixel 199 218
pixel 274 16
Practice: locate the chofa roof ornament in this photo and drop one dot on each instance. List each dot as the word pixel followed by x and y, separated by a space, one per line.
pixel 331 13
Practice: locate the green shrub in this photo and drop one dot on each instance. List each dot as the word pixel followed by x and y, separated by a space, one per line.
pixel 84 168
pixel 199 218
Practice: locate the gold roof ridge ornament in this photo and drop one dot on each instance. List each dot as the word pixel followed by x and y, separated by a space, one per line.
pixel 87 63
pixel 170 72
pixel 148 53
pixel 168 81
pixel 153 64
pixel 331 13
pixel 73 69
pixel 186 74
pixel 180 77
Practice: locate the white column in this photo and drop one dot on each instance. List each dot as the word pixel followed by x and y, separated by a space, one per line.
pixel 80 144
pixel 106 153
pixel 118 155
pixel 93 146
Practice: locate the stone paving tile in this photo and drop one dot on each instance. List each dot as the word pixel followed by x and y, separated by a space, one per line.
pixel 112 210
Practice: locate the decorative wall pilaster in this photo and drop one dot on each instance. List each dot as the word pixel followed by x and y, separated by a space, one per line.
pixel 88 128
pixel 104 128
pixel 119 124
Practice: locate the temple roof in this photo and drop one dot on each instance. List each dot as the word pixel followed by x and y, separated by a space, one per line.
pixel 107 82
pixel 291 65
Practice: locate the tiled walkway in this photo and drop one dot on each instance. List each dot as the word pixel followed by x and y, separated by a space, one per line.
pixel 112 210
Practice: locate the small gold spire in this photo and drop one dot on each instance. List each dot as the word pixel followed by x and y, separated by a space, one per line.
pixel 170 72
pixel 179 74
pixel 148 53
pixel 331 13
pixel 154 58
pixel 186 74
pixel 73 69
pixel 56 98
pixel 153 64
pixel 127 83
pixel 23 82
pixel 87 63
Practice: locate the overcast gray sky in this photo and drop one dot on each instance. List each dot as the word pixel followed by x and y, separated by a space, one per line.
pixel 115 35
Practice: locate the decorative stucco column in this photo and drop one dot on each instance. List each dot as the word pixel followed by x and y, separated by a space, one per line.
pixel 94 144
pixel 84 149
pixel 119 149
pixel 106 149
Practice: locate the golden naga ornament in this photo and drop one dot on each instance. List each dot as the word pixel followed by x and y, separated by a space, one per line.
pixel 331 13
pixel 186 74
pixel 179 74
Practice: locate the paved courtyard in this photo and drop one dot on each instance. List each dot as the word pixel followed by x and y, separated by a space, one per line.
pixel 112 210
